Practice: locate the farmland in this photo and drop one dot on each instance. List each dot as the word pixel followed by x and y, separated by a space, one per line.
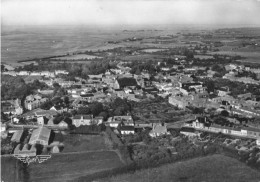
pixel 216 168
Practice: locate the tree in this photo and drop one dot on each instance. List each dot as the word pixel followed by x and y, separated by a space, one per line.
pixel 66 100
pixel 56 85
pixel 104 114
pixel 83 110
pixel 210 85
pixel 225 113
pixel 56 100
pixel 96 108
pixel 57 119
pixel 46 105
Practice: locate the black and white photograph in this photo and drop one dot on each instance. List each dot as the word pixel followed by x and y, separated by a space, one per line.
pixel 130 91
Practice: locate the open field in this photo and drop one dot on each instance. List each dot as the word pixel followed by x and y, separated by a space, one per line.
pixel 74 143
pixel 76 57
pixel 62 167
pixel 216 168
pixel 250 56
pixel 142 57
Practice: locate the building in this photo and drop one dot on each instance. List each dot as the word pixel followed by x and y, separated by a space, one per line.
pixel 223 91
pixel 158 130
pixel 63 124
pixel 126 130
pixel 124 120
pixel 34 101
pixel 17 136
pixel 79 120
pixel 12 107
pixel 40 136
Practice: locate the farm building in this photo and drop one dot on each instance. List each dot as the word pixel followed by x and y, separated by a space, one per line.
pixel 40 136
pixel 17 136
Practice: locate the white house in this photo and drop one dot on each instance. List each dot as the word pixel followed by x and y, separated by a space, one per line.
pixel 79 120
pixel 126 130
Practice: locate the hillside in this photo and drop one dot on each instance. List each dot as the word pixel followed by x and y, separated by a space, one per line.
pixel 216 168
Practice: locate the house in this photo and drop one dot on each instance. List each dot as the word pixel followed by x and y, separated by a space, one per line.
pixel 126 130
pixel 125 120
pixel 46 113
pixel 79 120
pixel 113 123
pixel 40 120
pixel 41 136
pixel 58 109
pixel 223 91
pixel 127 82
pixel 158 130
pixel 63 124
pixel 64 72
pixel 3 127
pixel 12 107
pixel 258 141
pixel 98 120
pixel 34 101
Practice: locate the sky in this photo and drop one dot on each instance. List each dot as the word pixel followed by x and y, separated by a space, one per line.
pixel 127 12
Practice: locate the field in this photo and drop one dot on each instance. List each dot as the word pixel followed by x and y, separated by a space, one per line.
pixel 152 50
pixel 76 57
pixel 216 168
pixel 73 143
pixel 82 155
pixel 249 56
pixel 8 168
pixel 62 167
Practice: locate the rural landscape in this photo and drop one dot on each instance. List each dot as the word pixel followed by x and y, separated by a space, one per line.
pixel 151 99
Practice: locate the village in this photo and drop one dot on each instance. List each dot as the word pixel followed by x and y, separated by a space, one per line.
pixel 134 111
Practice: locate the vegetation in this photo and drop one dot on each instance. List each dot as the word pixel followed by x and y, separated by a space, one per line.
pixel 198 169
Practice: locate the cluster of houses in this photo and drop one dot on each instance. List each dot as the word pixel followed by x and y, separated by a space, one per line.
pixel 181 89
pixel 234 70
pixel 35 73
pixel 201 124
pixel 13 107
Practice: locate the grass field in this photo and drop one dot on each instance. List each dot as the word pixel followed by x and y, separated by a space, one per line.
pixel 216 168
pixel 73 143
pixel 64 167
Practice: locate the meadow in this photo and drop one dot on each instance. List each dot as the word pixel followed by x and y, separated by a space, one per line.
pixel 215 168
